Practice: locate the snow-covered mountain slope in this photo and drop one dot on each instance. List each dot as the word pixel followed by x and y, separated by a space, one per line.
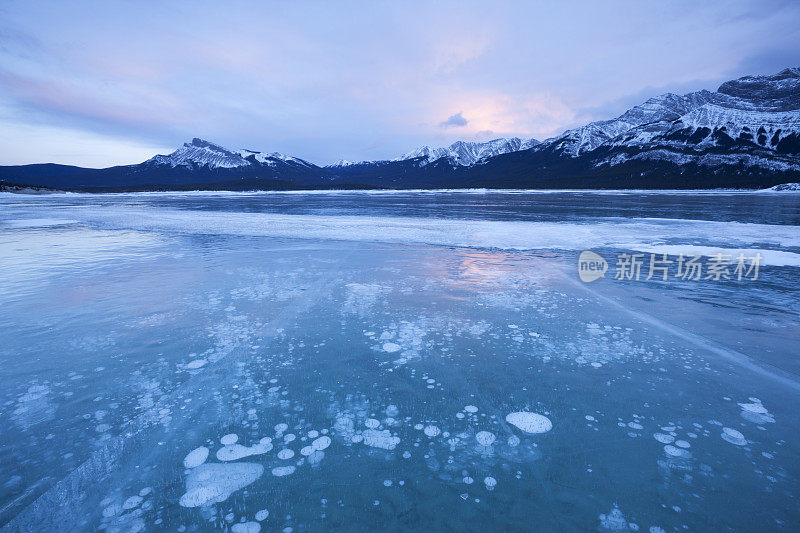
pixel 792 187
pixel 201 154
pixel 272 158
pixel 752 121
pixel 197 154
pixel 466 154
pixel 660 109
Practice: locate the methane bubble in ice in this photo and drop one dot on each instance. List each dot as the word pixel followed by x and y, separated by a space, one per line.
pixel 663 438
pixel 315 457
pixel 215 482
pixel 321 443
pixel 490 482
pixel 756 412
pixel 471 409
pixel 391 347
pixel 733 436
pixel 233 452
pixel 431 431
pixel 246 527
pixel 529 422
pixel 228 439
pixel 673 451
pixel 280 471
pixel 614 520
pixel 285 454
pixel 379 439
pixel 262 515
pixel 196 457
pixel 485 438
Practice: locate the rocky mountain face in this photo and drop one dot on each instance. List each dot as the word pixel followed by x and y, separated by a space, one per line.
pixel 745 134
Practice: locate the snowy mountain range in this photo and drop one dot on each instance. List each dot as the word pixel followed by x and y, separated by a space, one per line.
pixel 745 134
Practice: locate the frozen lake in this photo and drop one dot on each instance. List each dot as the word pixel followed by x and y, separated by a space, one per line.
pixel 396 361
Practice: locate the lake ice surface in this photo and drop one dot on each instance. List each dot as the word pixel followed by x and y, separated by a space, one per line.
pixel 385 361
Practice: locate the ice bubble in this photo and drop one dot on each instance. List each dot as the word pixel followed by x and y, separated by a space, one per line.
pixel 233 452
pixel 459 415
pixel 313 434
pixel 372 423
pixel 215 482
pixel 490 482
pixel 112 510
pixel 197 363
pixel 392 411
pixel 285 454
pixel 406 455
pixel 387 482
pixel 672 451
pixel 246 527
pixel 733 436
pixel 315 457
pixel 682 444
pixel 590 418
pixel 196 457
pixel 468 480
pixel 280 471
pixel 529 422
pixel 431 431
pixel 280 428
pixel 471 409
pixel 663 438
pixel 289 437
pixel 380 439
pixel 485 438
pixel 756 412
pixel 262 515
pixel 230 438
pixel 132 502
pixel 755 407
pixel 321 443
pixel 614 521
pixel 513 441
pixel 391 347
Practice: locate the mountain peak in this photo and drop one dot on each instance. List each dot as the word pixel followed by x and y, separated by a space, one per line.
pixel 467 153
pixel 202 143
pixel 200 153
pixel 780 91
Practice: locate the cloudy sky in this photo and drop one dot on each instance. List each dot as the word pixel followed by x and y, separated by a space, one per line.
pixel 102 83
